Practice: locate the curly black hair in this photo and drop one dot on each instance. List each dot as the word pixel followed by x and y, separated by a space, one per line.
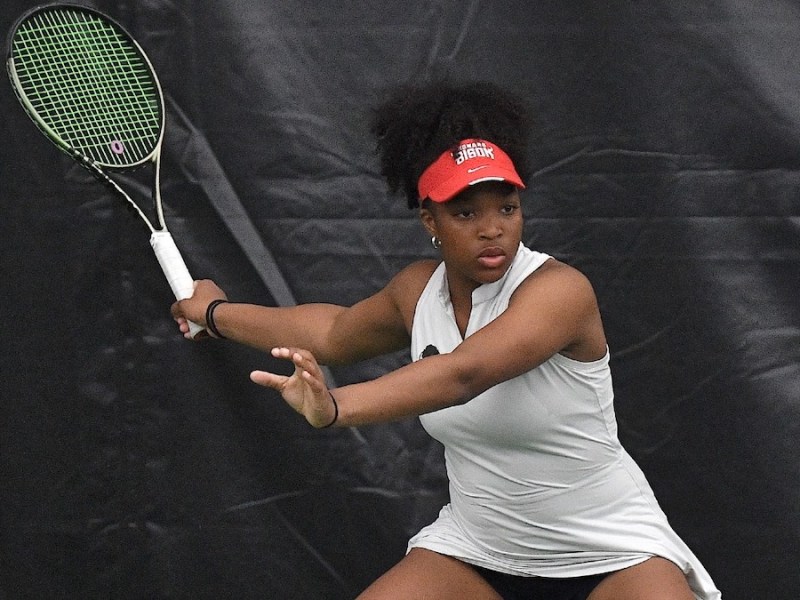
pixel 419 122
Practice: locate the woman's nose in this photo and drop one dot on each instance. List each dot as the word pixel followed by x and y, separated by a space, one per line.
pixel 490 228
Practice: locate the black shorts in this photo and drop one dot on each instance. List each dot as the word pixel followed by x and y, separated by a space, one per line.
pixel 515 587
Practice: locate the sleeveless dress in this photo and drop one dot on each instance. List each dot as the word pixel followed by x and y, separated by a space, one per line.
pixel 539 482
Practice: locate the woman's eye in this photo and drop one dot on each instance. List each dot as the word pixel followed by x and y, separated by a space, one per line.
pixel 510 209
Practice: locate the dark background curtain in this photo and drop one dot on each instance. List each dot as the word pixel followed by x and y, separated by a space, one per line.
pixel 667 148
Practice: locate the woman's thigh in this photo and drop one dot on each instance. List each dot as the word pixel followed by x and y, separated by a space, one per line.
pixel 654 579
pixel 423 574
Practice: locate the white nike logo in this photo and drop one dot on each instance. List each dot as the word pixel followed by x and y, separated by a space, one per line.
pixel 472 170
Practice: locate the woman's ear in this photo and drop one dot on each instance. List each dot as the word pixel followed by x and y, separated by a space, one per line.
pixel 428 221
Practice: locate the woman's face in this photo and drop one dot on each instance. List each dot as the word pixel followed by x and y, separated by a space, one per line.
pixel 480 231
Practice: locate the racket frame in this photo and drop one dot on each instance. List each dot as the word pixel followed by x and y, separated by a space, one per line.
pixel 164 247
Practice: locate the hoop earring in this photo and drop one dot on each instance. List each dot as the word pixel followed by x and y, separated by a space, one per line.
pixel 436 242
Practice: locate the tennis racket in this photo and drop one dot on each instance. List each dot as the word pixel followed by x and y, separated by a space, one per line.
pixel 89 87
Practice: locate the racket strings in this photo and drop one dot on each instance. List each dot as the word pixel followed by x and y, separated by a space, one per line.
pixel 89 84
pixel 85 78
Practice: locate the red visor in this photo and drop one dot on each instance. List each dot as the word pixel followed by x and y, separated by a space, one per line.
pixel 472 162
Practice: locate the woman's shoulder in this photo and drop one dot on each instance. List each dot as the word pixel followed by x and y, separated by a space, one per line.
pixel 408 284
pixel 419 270
pixel 413 278
pixel 559 284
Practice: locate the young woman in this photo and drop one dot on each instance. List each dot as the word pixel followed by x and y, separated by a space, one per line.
pixel 509 371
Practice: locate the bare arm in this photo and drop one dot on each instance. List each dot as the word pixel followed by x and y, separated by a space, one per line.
pixel 333 334
pixel 555 310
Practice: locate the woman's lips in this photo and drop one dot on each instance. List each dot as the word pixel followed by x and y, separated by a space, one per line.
pixel 492 257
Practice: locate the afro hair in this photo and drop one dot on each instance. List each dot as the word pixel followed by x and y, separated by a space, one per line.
pixel 417 123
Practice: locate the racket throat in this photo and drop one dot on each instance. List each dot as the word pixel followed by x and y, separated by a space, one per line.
pixel 98 174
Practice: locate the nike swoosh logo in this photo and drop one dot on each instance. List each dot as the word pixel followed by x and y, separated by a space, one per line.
pixel 472 170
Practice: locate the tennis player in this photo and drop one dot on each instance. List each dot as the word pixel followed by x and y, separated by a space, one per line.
pixel 509 370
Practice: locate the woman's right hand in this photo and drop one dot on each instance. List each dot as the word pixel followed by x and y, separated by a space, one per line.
pixel 194 308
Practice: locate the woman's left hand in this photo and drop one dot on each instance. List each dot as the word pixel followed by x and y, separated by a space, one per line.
pixel 304 390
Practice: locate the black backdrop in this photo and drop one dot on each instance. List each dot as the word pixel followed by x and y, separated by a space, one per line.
pixel 138 465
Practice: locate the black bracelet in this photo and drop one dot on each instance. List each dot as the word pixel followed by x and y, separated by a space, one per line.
pixel 210 325
pixel 336 411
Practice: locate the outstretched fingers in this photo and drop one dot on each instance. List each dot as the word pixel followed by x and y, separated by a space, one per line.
pixel 306 366
pixel 267 379
pixel 305 390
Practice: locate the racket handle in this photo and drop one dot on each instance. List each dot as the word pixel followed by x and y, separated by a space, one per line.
pixel 171 261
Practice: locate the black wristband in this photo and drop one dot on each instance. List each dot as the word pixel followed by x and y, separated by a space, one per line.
pixel 210 325
pixel 335 413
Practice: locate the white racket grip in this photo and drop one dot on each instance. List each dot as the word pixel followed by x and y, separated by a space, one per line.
pixel 171 261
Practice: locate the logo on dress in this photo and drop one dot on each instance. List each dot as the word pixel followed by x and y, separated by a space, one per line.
pixel 430 350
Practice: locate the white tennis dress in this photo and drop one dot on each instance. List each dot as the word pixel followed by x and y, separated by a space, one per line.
pixel 539 482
